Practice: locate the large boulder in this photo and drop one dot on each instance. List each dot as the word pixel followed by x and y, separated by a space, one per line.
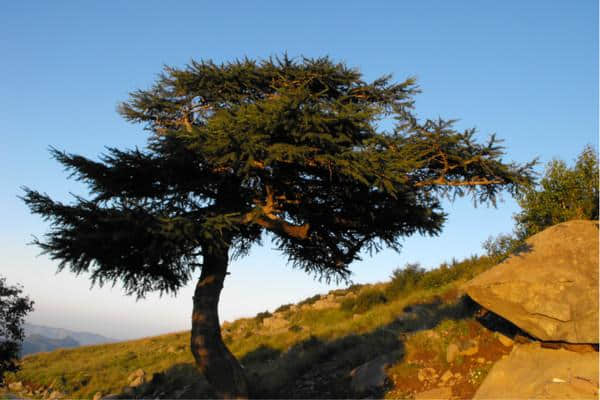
pixel 532 372
pixel 550 287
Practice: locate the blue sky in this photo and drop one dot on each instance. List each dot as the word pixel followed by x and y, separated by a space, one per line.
pixel 527 70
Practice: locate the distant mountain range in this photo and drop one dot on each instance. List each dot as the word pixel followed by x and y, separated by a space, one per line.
pixel 37 343
pixel 44 338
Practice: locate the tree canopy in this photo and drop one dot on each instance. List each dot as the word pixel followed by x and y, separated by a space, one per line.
pixel 289 147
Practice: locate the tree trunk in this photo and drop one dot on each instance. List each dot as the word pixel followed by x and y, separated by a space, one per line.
pixel 213 358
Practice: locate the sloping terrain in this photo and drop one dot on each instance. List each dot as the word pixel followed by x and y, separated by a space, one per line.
pixel 416 336
pixel 394 339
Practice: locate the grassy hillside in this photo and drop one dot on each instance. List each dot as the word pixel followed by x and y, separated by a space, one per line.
pixel 303 350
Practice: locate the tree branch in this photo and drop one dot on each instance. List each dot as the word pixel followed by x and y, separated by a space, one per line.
pixel 265 216
pixel 442 181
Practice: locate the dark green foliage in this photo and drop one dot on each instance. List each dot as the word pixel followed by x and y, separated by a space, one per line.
pixel 365 300
pixel 289 147
pixel 404 280
pixel 310 300
pixel 262 315
pixel 446 273
pixel 283 308
pixel 412 276
pixel 500 247
pixel 562 194
pixel 13 308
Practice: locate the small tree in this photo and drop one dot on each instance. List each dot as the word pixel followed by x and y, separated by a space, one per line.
pixel 279 146
pixel 562 194
pixel 13 308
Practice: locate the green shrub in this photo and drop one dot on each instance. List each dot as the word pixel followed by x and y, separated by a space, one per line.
pixel 283 308
pixel 413 276
pixel 500 247
pixel 262 315
pixel 354 288
pixel 404 280
pixel 348 304
pixel 310 300
pixel 368 299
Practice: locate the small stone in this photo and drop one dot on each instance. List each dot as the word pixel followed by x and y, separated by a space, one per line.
pixel 558 380
pixel 111 396
pixel 481 360
pixel 138 373
pixel 16 386
pixel 372 374
pixel 505 340
pixel 97 396
pixel 451 352
pixel 55 395
pixel 446 376
pixel 472 349
pixel 137 381
pixel 427 374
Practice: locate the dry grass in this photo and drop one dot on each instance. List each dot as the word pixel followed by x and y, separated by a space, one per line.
pixel 273 359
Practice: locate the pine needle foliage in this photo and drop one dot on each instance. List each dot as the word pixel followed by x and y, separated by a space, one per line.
pixel 291 147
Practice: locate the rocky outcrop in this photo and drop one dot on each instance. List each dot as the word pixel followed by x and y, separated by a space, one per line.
pixel 533 372
pixel 550 287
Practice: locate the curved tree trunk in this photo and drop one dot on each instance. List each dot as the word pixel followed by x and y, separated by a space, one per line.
pixel 213 358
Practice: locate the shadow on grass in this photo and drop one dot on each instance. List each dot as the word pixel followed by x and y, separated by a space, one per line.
pixel 316 368
pixel 313 368
pixel 181 381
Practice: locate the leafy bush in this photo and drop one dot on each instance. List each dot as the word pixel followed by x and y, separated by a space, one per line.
pixel 310 300
pixel 500 247
pixel 364 301
pixel 348 304
pixel 355 288
pixel 404 280
pixel 413 276
pixel 283 308
pixel 262 315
